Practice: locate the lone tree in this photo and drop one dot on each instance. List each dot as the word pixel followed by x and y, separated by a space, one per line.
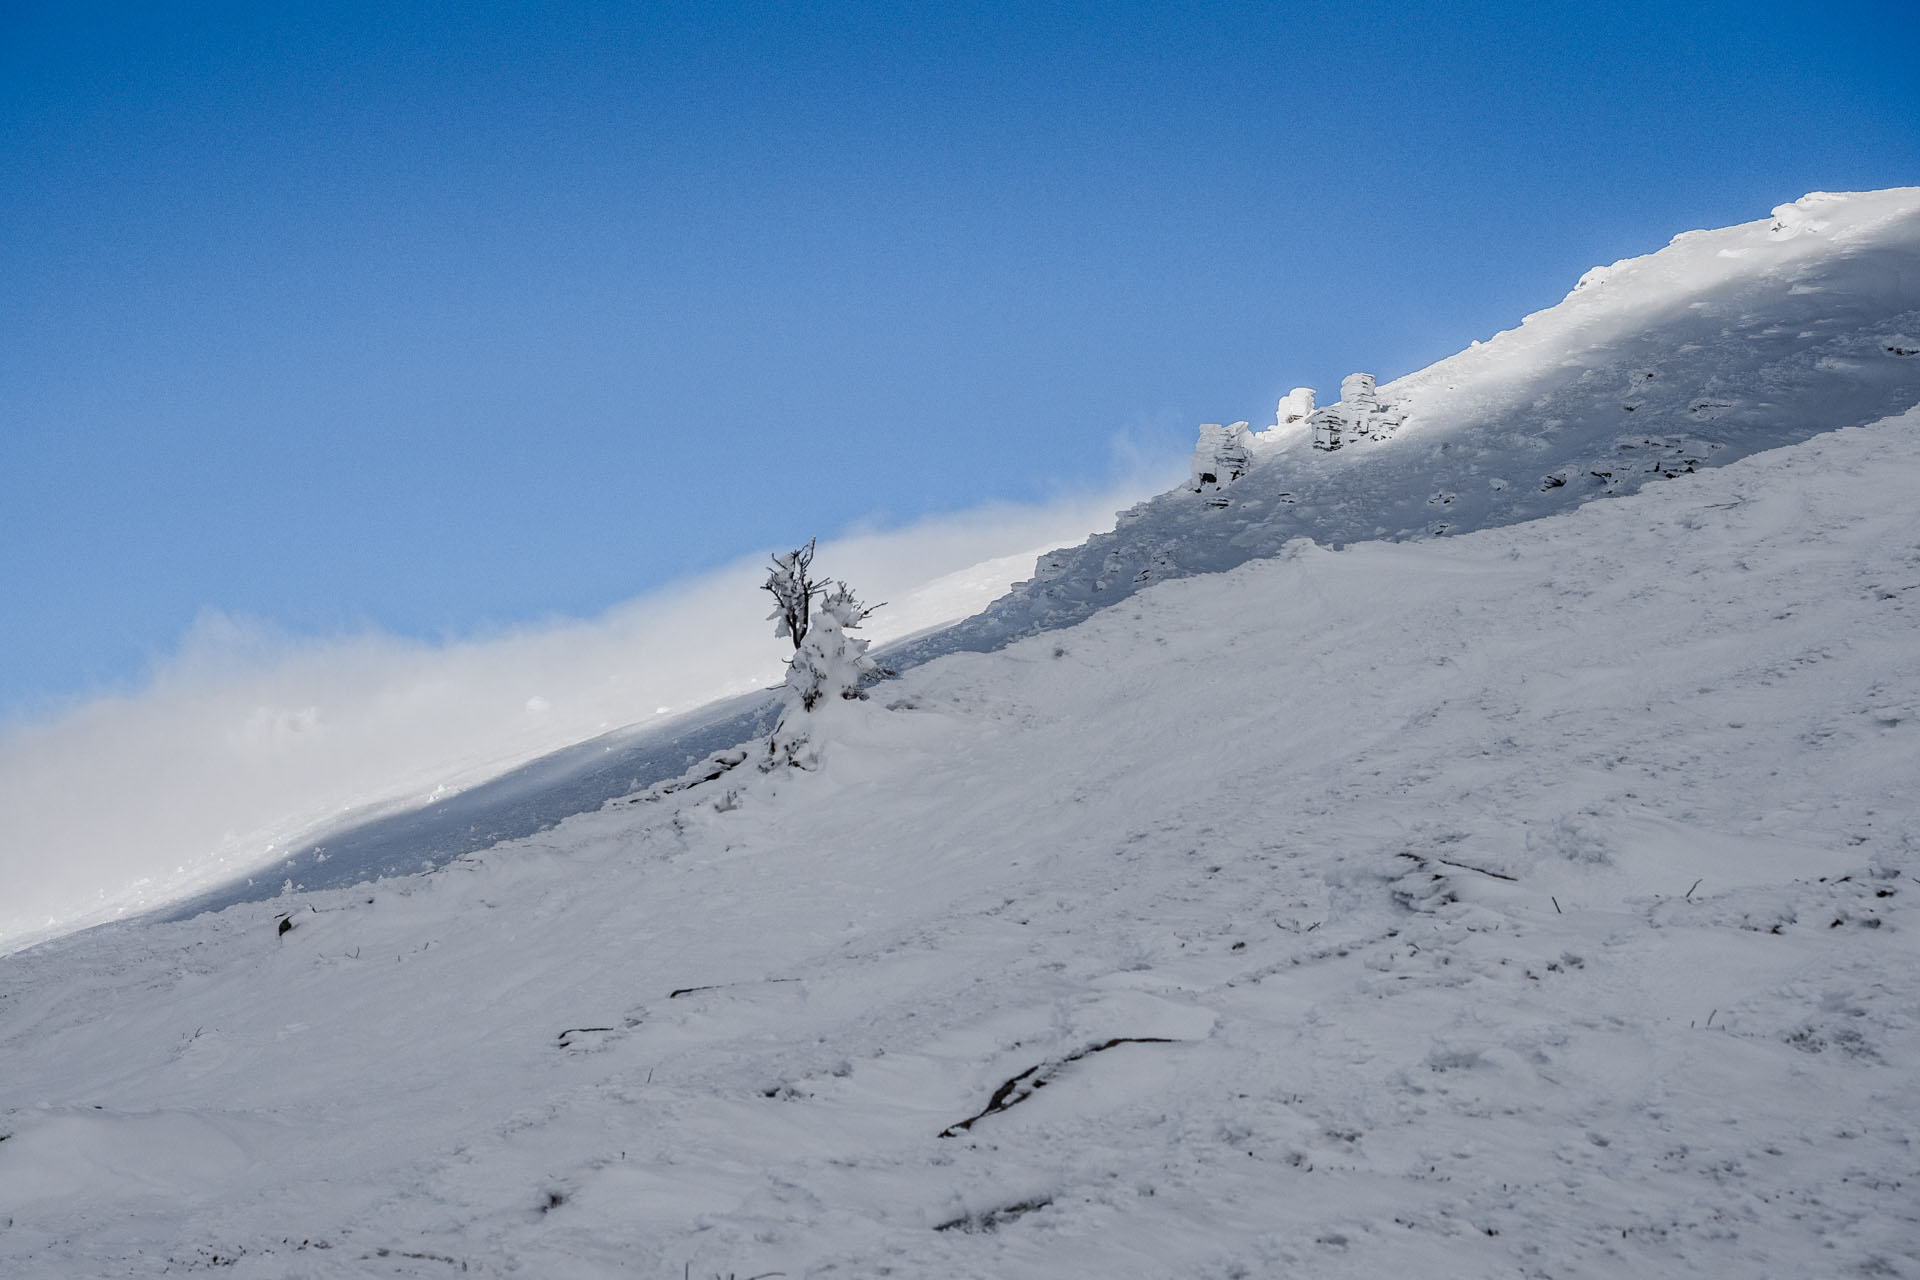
pixel 827 663
pixel 790 580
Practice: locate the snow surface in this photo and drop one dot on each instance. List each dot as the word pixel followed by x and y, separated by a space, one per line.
pixel 248 750
pixel 1524 901
pixel 1724 343
pixel 1530 902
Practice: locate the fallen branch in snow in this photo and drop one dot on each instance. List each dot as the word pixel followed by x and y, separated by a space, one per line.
pixel 1691 888
pixel 992 1219
pixel 1010 1094
pixel 1497 875
pixel 677 992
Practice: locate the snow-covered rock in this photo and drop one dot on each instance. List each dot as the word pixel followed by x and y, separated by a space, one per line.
pixel 1358 415
pixel 1289 416
pixel 1221 456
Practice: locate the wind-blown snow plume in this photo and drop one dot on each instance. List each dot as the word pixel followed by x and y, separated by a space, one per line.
pixel 249 737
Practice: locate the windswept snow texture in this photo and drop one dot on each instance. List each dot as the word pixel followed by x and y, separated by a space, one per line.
pixel 1534 902
pixel 520 802
pixel 1723 344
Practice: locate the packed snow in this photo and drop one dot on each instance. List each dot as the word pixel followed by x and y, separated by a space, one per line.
pixel 1528 900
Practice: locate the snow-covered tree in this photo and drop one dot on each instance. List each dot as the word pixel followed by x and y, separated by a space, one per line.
pixel 828 662
pixel 790 581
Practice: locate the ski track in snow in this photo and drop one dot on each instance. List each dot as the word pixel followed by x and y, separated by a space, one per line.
pixel 1527 903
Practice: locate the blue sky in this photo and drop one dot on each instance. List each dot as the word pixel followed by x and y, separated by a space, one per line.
pixel 438 319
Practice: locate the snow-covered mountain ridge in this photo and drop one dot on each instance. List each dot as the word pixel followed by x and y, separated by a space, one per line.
pixel 1722 344
pixel 1528 901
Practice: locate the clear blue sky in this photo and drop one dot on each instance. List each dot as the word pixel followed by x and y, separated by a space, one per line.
pixel 441 317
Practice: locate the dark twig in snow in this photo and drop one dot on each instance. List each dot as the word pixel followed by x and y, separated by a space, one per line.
pixel 1011 1095
pixel 992 1219
pixel 718 986
pixel 1690 889
pixel 1497 875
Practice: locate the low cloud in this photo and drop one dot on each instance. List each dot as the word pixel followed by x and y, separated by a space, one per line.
pixel 250 737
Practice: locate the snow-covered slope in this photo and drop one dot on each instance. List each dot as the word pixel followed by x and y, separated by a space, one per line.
pixel 249 756
pixel 1530 902
pixel 1722 344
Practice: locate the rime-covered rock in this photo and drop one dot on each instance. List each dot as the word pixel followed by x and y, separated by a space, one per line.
pixel 1328 426
pixel 1358 392
pixel 1289 416
pixel 1294 407
pixel 1222 456
pixel 1359 414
